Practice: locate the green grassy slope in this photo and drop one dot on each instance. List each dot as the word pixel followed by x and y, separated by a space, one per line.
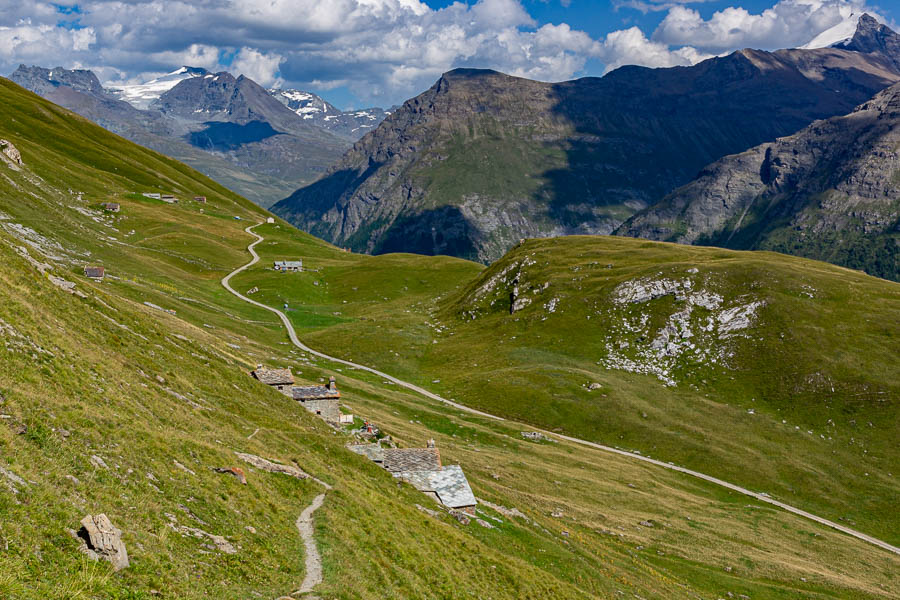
pixel 142 389
pixel 807 393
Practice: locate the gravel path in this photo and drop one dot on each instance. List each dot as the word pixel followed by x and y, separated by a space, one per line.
pixel 313 560
pixel 758 496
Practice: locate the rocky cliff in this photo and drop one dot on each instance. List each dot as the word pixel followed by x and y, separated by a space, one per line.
pixel 483 159
pixel 831 191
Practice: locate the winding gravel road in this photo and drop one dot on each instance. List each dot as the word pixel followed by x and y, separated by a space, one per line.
pixel 758 496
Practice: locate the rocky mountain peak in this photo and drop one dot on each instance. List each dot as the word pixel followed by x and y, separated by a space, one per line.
pixel 872 37
pixel 38 78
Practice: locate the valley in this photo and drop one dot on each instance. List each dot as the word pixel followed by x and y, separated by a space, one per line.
pixel 146 390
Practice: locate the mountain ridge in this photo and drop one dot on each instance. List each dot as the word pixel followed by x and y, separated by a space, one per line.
pixel 482 159
pixel 831 191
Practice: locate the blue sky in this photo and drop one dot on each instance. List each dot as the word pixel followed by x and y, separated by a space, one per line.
pixel 358 53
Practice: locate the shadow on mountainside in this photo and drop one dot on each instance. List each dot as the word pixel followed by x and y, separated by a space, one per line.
pixel 442 230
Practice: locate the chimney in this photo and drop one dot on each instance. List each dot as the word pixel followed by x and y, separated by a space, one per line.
pixel 332 386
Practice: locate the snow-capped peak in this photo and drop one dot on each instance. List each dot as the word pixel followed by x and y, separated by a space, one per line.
pixel 836 36
pixel 141 95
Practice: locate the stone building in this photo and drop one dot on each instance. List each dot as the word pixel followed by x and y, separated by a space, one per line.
pixel 321 400
pixel 280 379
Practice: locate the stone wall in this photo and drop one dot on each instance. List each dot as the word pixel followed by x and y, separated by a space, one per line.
pixel 328 409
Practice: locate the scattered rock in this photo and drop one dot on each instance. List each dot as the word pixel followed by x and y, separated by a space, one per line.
pixel 461 516
pixel 221 544
pixel 19 428
pixel 73 479
pixel 103 540
pixel 98 462
pixel 647 523
pixel 160 379
pixel 236 471
pixel 594 386
pixel 271 467
pixel 484 523
pixel 250 528
pixel 557 514
pixel 182 467
pixel 428 511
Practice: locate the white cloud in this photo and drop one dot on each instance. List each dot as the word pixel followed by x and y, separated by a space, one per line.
pixel 384 50
pixel 258 66
pixel 789 23
pixel 631 47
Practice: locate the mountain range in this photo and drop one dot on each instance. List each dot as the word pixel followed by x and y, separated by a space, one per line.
pixel 259 142
pixel 483 159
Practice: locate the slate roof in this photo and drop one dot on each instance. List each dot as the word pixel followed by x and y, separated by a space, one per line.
pixel 373 452
pixel 274 376
pixel 94 272
pixel 412 459
pixel 314 392
pixel 449 484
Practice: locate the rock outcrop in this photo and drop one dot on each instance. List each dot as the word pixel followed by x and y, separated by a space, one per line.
pixel 12 156
pixel 102 540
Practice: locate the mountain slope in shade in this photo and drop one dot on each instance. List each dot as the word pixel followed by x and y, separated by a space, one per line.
pixel 229 128
pixel 831 191
pixel 483 159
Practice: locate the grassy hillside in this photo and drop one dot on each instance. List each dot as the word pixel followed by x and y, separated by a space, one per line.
pixel 806 392
pixel 164 398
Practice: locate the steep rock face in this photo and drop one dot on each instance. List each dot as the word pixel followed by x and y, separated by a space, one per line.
pixel 831 191
pixel 483 159
pixel 871 37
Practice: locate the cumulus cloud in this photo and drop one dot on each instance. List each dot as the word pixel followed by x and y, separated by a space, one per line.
pixel 258 66
pixel 383 50
pixel 631 47
pixel 788 23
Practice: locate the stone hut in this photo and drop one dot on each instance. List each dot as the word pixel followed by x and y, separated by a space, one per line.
pixel 324 401
pixel 95 272
pixel 280 379
pixel 422 468
pixel 111 206
pixel 200 199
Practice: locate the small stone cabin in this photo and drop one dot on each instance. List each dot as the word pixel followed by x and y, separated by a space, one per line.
pixel 324 401
pixel 200 199
pixel 422 468
pixel 270 220
pixel 280 379
pixel 288 265
pixel 111 206
pixel 95 272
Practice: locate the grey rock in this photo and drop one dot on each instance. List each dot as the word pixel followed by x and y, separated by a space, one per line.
pixel 103 541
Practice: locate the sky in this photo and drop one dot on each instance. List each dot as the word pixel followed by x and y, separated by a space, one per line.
pixel 359 53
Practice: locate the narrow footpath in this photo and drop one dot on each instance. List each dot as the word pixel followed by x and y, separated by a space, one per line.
pixel 758 496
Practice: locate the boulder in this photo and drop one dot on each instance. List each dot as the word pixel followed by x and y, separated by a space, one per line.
pixel 103 540
pixel 11 153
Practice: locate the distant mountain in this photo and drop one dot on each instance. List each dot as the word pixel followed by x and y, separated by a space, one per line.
pixel 483 159
pixel 142 95
pixel 229 128
pixel 353 123
pixel 831 192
